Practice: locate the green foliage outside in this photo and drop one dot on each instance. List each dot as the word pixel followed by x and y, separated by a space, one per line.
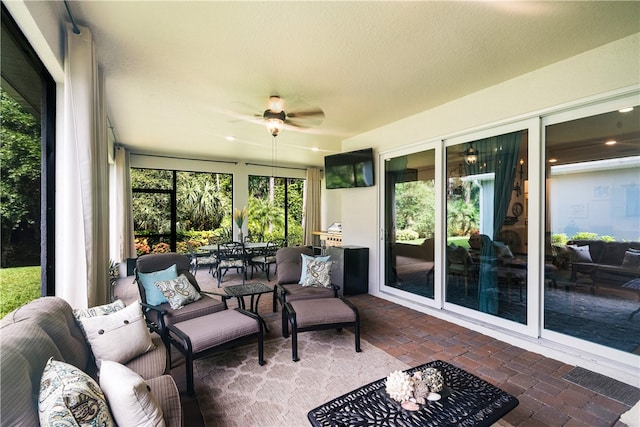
pixel 561 239
pixel 267 208
pixel 205 208
pixel 415 210
pixel 20 152
pixel 18 286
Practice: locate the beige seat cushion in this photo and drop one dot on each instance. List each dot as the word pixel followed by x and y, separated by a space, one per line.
pixel 322 312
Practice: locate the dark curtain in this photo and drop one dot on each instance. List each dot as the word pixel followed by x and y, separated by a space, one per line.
pixel 499 155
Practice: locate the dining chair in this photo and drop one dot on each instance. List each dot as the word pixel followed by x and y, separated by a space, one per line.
pixel 201 259
pixel 264 258
pixel 230 255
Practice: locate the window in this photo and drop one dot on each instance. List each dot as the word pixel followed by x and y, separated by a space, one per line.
pixel 275 208
pixel 178 210
pixel 28 159
pixel 592 171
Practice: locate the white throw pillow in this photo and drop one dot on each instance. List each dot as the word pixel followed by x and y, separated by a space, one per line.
pixel 120 336
pixel 179 292
pixel 70 397
pixel 129 396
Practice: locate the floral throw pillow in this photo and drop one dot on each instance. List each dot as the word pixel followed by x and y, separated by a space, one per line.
pixel 318 273
pixel 70 397
pixel 100 310
pixel 179 292
pixel 305 260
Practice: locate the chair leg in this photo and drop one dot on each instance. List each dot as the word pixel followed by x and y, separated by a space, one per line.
pixel 261 347
pixel 294 337
pixel 357 334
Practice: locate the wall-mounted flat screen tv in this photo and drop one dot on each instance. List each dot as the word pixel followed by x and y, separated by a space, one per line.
pixel 349 170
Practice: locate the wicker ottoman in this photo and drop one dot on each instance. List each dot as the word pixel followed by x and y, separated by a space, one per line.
pixel 203 335
pixel 316 314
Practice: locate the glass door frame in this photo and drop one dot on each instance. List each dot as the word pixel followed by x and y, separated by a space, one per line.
pixel 534 266
pixel 383 157
pixel 579 112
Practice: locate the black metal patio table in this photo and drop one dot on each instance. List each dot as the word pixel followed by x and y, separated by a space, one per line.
pixel 466 401
pixel 254 290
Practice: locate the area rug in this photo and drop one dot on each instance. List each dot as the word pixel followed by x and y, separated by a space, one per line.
pixel 234 391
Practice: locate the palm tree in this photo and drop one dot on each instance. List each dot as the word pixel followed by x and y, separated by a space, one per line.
pixel 263 217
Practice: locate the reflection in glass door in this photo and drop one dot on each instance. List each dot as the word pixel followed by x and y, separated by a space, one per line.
pixel 486 254
pixel 410 222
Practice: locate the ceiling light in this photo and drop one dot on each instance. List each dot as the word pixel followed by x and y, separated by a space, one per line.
pixel 471 155
pixel 230 138
pixel 314 148
pixel 553 160
pixel 275 121
pixel 625 110
pixel 275 104
pixel 611 142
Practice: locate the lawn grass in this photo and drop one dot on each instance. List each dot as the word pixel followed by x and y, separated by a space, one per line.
pixel 18 286
pixel 458 240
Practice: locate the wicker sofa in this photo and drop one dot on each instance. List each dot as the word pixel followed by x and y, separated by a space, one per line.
pixel 46 328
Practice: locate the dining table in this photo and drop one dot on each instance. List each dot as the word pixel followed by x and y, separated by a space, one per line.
pixel 246 245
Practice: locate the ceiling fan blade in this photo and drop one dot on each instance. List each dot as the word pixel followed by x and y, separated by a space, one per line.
pixel 297 124
pixel 316 113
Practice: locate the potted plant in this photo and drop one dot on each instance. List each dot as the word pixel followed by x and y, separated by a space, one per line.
pixel 239 217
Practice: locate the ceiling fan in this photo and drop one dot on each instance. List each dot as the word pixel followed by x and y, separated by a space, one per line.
pixel 275 117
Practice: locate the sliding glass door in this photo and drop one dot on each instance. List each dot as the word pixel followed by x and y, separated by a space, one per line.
pixel 592 223
pixel 486 253
pixel 410 200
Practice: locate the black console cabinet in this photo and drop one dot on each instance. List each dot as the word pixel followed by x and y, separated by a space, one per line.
pixel 350 269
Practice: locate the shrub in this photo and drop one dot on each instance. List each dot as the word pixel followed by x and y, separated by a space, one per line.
pixel 407 234
pixel 161 248
pixel 142 246
pixel 559 239
pixel 584 235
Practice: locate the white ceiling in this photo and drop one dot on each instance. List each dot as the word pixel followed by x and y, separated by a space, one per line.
pixel 182 76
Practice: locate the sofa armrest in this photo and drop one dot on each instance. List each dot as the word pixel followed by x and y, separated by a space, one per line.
pixel 165 391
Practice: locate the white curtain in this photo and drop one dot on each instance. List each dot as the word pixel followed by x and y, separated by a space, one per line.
pixel 82 186
pixel 311 205
pixel 123 221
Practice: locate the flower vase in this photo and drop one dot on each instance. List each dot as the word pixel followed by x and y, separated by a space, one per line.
pixel 240 236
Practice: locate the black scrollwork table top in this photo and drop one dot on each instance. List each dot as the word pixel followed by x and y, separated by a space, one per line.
pixel 466 401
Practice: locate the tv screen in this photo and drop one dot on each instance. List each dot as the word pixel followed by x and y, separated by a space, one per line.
pixel 348 170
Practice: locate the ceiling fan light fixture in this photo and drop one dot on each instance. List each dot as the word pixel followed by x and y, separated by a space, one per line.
pixel 471 155
pixel 274 121
pixel 275 104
